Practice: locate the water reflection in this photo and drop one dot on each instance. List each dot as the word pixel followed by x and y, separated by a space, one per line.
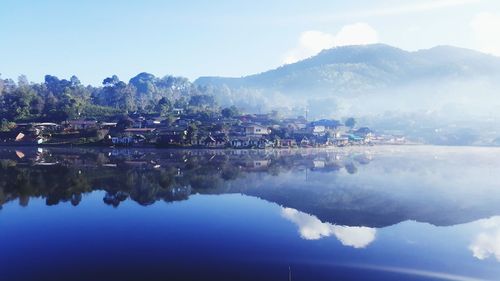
pixel 64 175
pixel 347 194
pixel 366 187
pixel 423 212
pixel 487 242
pixel 311 228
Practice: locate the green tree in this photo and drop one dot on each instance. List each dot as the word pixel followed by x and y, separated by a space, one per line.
pixel 163 107
pixel 202 101
pixel 230 112
pixel 6 126
pixel 350 122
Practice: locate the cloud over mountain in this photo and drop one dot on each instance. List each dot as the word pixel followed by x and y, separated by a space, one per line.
pixel 312 42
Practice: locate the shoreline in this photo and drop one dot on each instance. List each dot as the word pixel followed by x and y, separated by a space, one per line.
pixel 352 148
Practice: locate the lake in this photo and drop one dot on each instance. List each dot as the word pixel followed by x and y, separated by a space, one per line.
pixel 361 213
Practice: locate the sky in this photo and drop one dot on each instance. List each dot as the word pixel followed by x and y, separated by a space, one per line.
pixel 95 39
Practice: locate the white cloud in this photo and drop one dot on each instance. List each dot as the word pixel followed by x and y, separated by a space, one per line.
pixel 486 27
pixel 311 228
pixel 487 242
pixel 312 42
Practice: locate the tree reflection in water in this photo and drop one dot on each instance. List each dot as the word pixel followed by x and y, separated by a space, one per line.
pixel 63 175
pixel 364 187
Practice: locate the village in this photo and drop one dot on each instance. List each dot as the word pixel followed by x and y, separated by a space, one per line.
pixel 197 130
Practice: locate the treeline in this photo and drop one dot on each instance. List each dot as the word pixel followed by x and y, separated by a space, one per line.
pixel 56 100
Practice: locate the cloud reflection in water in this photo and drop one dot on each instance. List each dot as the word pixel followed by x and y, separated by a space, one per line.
pixel 311 228
pixel 487 242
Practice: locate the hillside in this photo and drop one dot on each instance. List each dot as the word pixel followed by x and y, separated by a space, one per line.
pixel 355 68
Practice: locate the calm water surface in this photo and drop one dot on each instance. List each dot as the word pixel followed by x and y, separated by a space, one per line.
pixel 377 213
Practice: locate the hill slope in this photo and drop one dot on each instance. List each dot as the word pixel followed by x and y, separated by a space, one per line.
pixel 354 68
pixel 442 95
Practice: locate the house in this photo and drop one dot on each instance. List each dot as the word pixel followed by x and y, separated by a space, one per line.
pixel 108 125
pixel 47 126
pixel 317 130
pixel 322 140
pixel 328 124
pixel 286 143
pixel 81 124
pixel 138 121
pixel 127 140
pixel 249 142
pixel 239 142
pixel 171 139
pixel 215 142
pixel 340 141
pixel 262 118
pixel 152 123
pixel 325 127
pixel 355 139
pixel 139 131
pixel 256 130
pixel 237 130
pixel 365 133
pixel 28 138
pixel 294 124
pixel 178 111
pixel 256 165
pixel 304 142
pixel 182 122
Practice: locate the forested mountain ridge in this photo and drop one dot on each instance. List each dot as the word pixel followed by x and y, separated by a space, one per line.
pixel 376 64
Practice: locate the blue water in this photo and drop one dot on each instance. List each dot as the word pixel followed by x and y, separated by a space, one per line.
pixel 258 225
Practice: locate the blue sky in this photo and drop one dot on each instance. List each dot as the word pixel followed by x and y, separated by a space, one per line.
pixel 95 39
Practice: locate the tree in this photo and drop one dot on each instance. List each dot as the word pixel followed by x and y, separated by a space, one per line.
pixel 230 112
pixel 144 82
pixel 16 105
pixel 1 85
pixel 163 107
pixel 75 82
pixel 350 122
pixel 110 81
pixel 202 101
pixel 180 103
pixel 6 126
pixel 22 81
pixel 192 131
pixel 58 99
pixel 117 94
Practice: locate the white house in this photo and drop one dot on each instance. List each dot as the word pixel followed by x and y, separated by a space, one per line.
pixel 257 130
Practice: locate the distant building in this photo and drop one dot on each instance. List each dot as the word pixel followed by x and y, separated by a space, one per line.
pixel 81 124
pixel 139 130
pixel 286 143
pixel 256 130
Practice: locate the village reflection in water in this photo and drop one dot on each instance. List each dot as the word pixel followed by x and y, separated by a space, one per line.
pixel 147 176
pixel 346 194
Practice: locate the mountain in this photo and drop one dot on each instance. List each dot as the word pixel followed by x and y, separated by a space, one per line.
pixel 442 95
pixel 366 67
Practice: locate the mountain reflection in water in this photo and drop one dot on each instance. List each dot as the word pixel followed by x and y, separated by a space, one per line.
pixel 354 195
